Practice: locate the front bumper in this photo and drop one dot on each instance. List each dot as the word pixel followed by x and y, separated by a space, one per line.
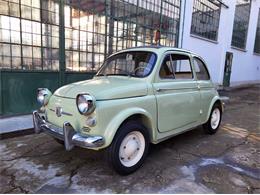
pixel 70 137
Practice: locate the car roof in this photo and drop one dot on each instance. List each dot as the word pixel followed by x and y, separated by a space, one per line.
pixel 158 49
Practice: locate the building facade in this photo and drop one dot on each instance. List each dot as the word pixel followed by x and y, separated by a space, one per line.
pixel 226 34
pixel 49 43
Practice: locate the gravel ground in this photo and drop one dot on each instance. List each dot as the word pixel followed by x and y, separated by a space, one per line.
pixel 227 162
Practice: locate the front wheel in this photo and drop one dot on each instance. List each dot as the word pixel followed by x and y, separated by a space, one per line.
pixel 212 125
pixel 129 148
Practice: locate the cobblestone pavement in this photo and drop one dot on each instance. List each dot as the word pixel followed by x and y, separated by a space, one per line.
pixel 227 162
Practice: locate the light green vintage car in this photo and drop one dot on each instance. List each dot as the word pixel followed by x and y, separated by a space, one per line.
pixel 139 96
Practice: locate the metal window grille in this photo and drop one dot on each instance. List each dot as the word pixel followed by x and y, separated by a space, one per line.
pixel 29 34
pixel 31 31
pixel 205 19
pixel 240 26
pixel 106 26
pixel 257 36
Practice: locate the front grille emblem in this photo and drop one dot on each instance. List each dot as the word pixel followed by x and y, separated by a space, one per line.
pixel 58 111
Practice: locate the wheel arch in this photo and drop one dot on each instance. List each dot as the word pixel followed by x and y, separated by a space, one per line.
pixel 134 114
pixel 215 100
pixel 143 119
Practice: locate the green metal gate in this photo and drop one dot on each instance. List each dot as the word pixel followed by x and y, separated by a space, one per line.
pixel 49 43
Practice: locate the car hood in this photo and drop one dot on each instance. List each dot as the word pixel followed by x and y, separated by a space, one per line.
pixel 105 88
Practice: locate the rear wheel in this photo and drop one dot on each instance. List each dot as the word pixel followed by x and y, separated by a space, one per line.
pixel 129 148
pixel 212 125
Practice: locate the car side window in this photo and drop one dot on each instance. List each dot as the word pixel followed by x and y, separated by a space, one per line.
pixel 166 70
pixel 200 69
pixel 181 66
pixel 176 66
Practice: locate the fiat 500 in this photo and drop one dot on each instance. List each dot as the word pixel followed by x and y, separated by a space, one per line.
pixel 139 96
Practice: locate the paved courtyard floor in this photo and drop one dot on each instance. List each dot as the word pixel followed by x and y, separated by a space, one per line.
pixel 227 162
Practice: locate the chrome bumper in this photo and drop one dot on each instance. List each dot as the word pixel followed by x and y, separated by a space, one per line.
pixel 223 100
pixel 70 137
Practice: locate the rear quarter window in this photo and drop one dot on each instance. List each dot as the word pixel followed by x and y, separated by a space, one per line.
pixel 200 69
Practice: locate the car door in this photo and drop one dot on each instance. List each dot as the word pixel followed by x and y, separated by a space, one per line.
pixel 176 93
pixel 205 85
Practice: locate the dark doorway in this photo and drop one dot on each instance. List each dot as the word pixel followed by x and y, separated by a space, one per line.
pixel 227 70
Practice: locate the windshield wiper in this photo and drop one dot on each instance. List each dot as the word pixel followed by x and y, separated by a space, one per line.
pixel 97 75
pixel 116 75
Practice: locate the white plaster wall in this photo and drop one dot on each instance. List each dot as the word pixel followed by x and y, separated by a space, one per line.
pixel 246 65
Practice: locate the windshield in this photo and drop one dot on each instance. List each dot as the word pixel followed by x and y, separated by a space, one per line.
pixel 133 63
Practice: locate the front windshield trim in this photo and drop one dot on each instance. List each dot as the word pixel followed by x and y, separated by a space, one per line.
pixel 130 75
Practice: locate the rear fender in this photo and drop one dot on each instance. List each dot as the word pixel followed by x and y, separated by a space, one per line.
pixel 213 101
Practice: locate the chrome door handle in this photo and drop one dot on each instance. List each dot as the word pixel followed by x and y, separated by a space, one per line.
pixel 198 86
pixel 164 89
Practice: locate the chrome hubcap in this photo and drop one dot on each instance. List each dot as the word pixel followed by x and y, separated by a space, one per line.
pixel 215 118
pixel 132 148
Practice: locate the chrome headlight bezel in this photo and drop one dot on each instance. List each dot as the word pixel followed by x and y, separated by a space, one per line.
pixel 43 96
pixel 86 103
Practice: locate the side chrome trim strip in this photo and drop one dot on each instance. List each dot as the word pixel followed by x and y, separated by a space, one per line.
pixel 176 89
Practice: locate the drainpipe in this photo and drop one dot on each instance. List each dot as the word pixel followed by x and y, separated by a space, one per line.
pixel 62 66
pixel 182 22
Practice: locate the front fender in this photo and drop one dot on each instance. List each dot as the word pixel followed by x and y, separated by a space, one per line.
pixel 117 120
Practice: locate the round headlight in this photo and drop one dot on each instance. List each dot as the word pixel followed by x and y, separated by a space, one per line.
pixel 43 96
pixel 86 104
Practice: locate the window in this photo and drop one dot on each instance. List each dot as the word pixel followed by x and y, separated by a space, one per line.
pixel 30 31
pixel 176 66
pixel 136 63
pixel 132 23
pixel 166 70
pixel 241 21
pixel 257 36
pixel 85 28
pixel 95 29
pixel 200 69
pixel 205 19
pixel 29 34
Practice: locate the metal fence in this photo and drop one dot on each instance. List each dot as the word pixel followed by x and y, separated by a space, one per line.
pixel 30 30
pixel 48 43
